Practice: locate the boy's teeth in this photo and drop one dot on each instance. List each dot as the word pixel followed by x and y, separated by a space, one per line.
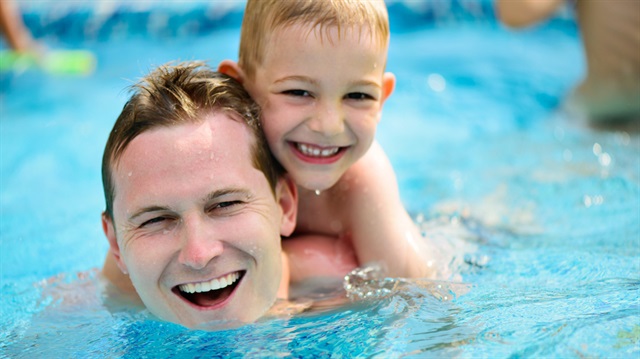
pixel 312 151
pixel 214 284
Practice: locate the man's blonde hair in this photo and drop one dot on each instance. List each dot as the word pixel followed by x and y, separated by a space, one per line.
pixel 264 17
pixel 182 93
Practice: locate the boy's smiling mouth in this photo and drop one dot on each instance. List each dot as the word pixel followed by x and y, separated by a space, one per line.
pixel 210 294
pixel 317 154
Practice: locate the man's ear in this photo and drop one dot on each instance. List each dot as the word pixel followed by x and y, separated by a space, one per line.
pixel 232 69
pixel 287 197
pixel 114 248
pixel 388 85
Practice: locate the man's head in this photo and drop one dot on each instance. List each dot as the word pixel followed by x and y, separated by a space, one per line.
pixel 317 70
pixel 181 94
pixel 195 202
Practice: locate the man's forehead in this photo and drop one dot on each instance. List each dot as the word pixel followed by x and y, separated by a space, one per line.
pixel 186 161
pixel 218 131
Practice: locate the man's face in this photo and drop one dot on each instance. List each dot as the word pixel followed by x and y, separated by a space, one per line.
pixel 196 226
pixel 321 94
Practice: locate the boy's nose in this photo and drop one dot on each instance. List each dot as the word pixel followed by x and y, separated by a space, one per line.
pixel 199 244
pixel 328 120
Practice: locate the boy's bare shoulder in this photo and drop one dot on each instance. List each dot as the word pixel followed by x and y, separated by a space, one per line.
pixel 371 175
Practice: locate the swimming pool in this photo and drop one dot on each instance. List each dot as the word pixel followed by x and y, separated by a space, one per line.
pixel 551 206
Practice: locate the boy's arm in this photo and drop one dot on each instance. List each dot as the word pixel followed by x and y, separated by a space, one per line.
pixel 520 13
pixel 381 228
pixel 318 255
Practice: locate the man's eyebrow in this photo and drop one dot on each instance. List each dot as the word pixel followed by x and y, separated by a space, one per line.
pixel 144 210
pixel 224 192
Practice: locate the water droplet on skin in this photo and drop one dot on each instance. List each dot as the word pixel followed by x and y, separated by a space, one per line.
pixel 318 192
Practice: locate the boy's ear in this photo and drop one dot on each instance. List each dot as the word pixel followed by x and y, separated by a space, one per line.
pixel 287 197
pixel 388 85
pixel 232 69
pixel 110 233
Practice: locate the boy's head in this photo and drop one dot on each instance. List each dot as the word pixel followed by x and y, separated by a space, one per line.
pixel 263 18
pixel 196 205
pixel 316 68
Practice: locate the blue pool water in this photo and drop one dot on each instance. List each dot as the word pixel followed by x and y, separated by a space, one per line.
pixel 545 209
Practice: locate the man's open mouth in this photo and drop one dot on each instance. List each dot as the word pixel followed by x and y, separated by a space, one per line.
pixel 211 293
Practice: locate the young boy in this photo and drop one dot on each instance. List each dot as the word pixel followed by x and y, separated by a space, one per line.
pixel 317 70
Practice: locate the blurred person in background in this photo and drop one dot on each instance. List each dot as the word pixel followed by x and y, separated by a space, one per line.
pixel 610 31
pixel 16 34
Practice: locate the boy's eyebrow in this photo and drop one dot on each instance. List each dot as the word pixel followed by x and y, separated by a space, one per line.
pixel 297 78
pixel 315 82
pixel 209 197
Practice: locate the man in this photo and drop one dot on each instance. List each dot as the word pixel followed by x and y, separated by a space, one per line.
pixel 195 203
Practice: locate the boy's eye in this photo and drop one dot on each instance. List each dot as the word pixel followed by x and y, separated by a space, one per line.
pixel 359 96
pixel 300 93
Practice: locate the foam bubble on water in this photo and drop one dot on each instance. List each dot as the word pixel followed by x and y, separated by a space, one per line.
pixel 623 138
pixel 604 159
pixel 370 282
pixel 436 82
pixel 597 149
pixel 567 155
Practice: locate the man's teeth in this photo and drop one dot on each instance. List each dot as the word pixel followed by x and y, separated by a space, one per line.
pixel 317 151
pixel 214 284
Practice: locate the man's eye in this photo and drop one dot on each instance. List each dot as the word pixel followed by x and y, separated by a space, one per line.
pixel 226 207
pixel 359 96
pixel 297 93
pixel 228 204
pixel 152 221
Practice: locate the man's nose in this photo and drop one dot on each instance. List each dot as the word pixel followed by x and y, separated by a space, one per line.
pixel 328 119
pixel 199 243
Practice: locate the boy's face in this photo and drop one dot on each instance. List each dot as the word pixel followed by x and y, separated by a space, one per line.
pixel 197 227
pixel 321 96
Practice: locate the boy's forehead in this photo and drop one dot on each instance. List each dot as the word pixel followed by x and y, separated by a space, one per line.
pixel 330 32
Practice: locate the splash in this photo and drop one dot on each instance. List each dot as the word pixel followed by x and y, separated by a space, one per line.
pixel 371 283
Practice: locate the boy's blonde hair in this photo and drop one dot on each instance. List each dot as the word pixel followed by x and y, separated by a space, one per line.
pixel 263 17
